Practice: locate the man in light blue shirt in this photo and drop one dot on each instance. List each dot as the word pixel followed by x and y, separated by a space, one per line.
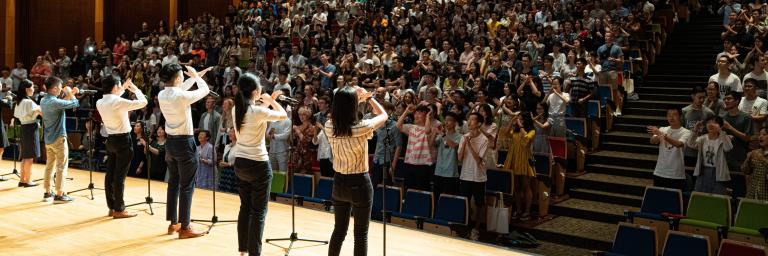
pixel 55 134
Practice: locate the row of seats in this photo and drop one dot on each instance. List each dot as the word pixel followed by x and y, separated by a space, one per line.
pixel 707 215
pixel 640 240
pixel 414 208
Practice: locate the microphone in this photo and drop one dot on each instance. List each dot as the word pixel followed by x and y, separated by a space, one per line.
pixel 287 100
pixel 86 92
pixel 213 94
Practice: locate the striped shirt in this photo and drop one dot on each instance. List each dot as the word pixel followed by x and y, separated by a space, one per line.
pixel 417 151
pixel 350 154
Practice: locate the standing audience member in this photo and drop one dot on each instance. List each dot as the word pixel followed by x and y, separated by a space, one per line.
pixel 711 172
pixel 756 169
pixel 670 168
pixel 519 160
pixel 205 171
pixel 417 155
pixel 473 177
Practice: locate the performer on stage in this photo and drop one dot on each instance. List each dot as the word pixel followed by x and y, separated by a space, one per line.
pixel 27 111
pixel 352 187
pixel 114 113
pixel 180 147
pixel 252 165
pixel 56 146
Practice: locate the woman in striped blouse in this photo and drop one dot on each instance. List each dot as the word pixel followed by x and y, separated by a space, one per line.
pixel 348 136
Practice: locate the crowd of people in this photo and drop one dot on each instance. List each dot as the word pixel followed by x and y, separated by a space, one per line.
pixel 722 133
pixel 468 85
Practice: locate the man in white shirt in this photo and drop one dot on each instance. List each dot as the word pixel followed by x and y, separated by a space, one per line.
pixel 755 106
pixel 181 154
pixel 473 171
pixel 727 80
pixel 114 113
pixel 296 61
pixel 6 82
pixel 759 74
pixel 670 169
pixel 278 133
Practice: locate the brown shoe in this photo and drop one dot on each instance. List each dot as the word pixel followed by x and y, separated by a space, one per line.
pixel 173 228
pixel 111 213
pixel 123 215
pixel 190 233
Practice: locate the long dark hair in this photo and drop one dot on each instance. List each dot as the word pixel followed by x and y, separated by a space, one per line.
pixel 527 121
pixel 344 111
pixel 21 92
pixel 247 83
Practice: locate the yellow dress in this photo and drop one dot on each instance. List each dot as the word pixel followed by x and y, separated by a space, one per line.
pixel 519 153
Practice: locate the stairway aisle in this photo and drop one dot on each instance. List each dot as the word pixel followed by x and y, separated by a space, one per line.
pixel 617 174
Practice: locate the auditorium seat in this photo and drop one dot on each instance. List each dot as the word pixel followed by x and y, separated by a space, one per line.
pixel 751 216
pixel 304 185
pixel 738 248
pixel 633 240
pixel 559 149
pixel 577 133
pixel 278 182
pixel 394 198
pixel 658 204
pixel 499 180
pixel 399 170
pixel 70 123
pixel 418 205
pixel 604 94
pixel 706 214
pixel 451 211
pixel 594 109
pixel 322 198
pixel 686 244
pixel 543 167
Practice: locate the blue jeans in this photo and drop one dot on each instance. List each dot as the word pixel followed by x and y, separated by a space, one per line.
pixel 354 193
pixel 181 156
pixel 254 185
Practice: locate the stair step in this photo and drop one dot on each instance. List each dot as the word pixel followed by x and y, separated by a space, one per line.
pixel 621 170
pixel 628 137
pixel 606 197
pixel 591 210
pixel 640 120
pixel 654 77
pixel 668 97
pixel 630 147
pixel 646 89
pixel 630 128
pixel 611 183
pixel 630 159
pixel 643 111
pixel 650 103
pixel 569 231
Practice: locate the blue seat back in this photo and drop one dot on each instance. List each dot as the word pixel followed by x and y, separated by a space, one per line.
pixel 71 123
pixel 400 169
pixel 542 164
pixel 660 200
pixel 679 243
pixel 499 181
pixel 634 240
pixel 452 209
pixel 324 188
pixel 418 203
pixel 593 109
pixel 576 125
pixel 303 184
pixel 394 200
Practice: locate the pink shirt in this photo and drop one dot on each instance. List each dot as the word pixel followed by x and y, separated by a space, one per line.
pixel 417 151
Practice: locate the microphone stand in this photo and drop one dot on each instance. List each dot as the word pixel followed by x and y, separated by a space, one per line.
pixel 384 175
pixel 294 236
pixel 16 152
pixel 91 162
pixel 148 199
pixel 214 219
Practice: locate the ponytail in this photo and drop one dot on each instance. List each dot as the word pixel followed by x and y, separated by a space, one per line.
pixel 247 83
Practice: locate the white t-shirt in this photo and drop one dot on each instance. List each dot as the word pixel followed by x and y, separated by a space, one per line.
pixel 670 164
pixel 710 151
pixel 556 104
pixel 730 83
pixel 250 136
pixel 756 106
pixel 761 82
pixel 470 171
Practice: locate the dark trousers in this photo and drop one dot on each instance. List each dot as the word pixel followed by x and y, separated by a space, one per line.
pixel 119 153
pixel 578 109
pixel 255 181
pixel 326 167
pixel 417 177
pixel 445 185
pixel 354 193
pixel 181 156
pixel 668 183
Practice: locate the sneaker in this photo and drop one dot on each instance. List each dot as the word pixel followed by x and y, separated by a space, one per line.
pixel 474 235
pixel 63 199
pixel 516 215
pixel 47 197
pixel 525 217
pixel 618 112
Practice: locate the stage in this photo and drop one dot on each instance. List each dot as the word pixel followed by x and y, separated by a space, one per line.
pixel 31 227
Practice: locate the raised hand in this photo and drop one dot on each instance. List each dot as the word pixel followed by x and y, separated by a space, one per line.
pixel 363 95
pixel 191 72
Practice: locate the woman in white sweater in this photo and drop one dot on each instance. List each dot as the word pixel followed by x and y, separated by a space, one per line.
pixel 26 110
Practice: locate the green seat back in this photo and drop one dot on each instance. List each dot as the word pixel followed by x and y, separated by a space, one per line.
pixel 752 214
pixel 709 208
pixel 278 182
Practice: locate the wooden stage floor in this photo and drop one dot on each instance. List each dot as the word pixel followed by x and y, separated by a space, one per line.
pixel 31 227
